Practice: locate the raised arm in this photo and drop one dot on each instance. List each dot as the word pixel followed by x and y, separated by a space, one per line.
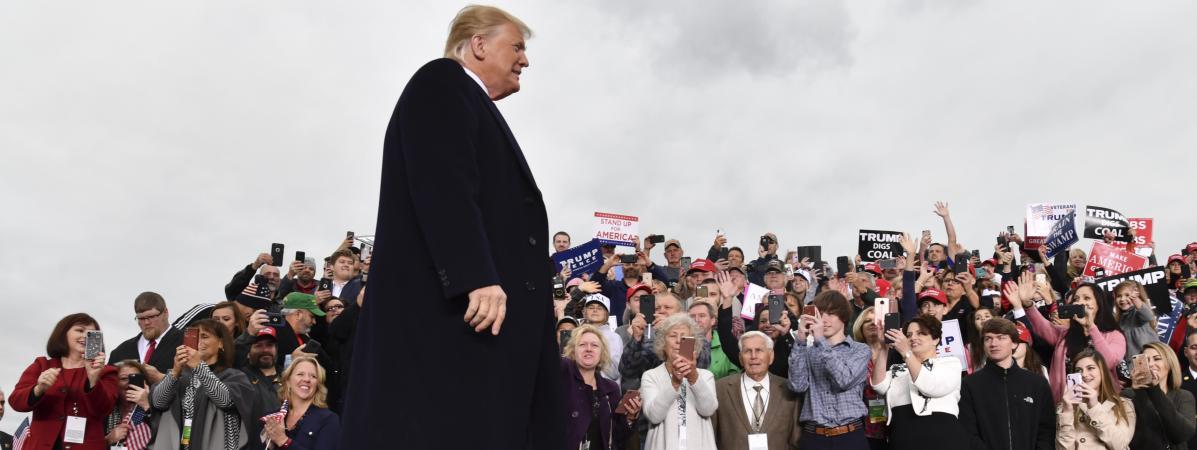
pixel 941 210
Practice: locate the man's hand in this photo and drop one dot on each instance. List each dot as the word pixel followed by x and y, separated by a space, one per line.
pixel 638 326
pixel 590 287
pixel 256 322
pixel 1011 290
pixel 648 245
pixel 153 375
pixel 487 309
pixel 907 244
pixel 727 289
pixel 323 296
pixel 941 209
pixel 263 259
pixel 609 262
pixel 720 240
pixel 299 353
pixel 565 272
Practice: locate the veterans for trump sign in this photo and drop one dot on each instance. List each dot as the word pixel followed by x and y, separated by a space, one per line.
pixel 1113 260
pixel 1040 219
pixel 876 245
pixel 1100 220
pixel 616 229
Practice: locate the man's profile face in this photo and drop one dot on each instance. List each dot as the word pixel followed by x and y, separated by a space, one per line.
pixel 502 61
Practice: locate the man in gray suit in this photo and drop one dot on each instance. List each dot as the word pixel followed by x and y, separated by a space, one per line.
pixel 756 408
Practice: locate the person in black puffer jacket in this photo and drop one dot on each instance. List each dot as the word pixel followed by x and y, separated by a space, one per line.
pixel 1003 406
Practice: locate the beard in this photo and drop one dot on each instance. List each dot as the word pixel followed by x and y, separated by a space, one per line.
pixel 262 360
pixel 632 272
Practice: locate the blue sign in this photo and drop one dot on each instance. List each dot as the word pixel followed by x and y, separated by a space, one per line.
pixel 1062 236
pixel 583 259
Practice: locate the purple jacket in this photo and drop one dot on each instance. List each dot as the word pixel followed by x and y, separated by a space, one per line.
pixel 613 428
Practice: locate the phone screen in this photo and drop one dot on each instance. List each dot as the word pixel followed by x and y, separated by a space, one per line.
pixel 191 338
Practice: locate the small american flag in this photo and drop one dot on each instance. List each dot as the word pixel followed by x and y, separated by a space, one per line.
pixel 22 433
pixel 1041 211
pixel 139 430
pixel 281 415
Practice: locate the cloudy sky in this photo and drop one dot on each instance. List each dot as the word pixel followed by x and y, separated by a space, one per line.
pixel 161 146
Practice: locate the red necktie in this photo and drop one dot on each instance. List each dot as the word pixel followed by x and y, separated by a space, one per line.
pixel 148 353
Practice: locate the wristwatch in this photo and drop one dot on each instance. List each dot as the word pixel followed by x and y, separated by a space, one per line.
pixel 908 355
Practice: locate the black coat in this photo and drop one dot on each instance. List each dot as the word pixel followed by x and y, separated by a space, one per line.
pixel 458 210
pixel 1007 409
pixel 1188 383
pixel 163 358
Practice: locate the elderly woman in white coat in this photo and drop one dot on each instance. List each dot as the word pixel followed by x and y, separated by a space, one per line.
pixel 678 398
pixel 922 390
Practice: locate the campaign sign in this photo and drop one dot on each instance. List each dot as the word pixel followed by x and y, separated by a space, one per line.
pixel 1143 230
pixel 1062 236
pixel 876 245
pixel 583 259
pixel 1152 279
pixel 1166 323
pixel 1040 219
pixel 952 342
pixel 616 229
pixel 754 295
pixel 1113 259
pixel 1099 220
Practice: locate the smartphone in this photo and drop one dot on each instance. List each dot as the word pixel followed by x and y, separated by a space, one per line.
pixel 1138 365
pixel 628 396
pixel 860 268
pixel 1074 379
pixel 656 238
pixel 349 235
pixel 276 319
pixel 137 379
pixel 646 278
pixel 94 344
pixel 366 250
pixel 1010 229
pixel 325 285
pixel 810 310
pixel 627 259
pixel 961 263
pixel 777 305
pixel 563 338
pixel 1002 241
pixel 648 307
pixel 842 265
pixel 1070 311
pixel 888 264
pixel 765 241
pixel 686 261
pixel 300 256
pixel 723 252
pixel 880 306
pixel 703 291
pixel 276 253
pixel 976 254
pixel 1099 272
pixel 558 288
pixel 191 338
pixel 686 348
pixel 892 322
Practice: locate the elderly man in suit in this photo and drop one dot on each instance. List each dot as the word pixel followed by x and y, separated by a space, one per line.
pixel 756 408
pixel 455 343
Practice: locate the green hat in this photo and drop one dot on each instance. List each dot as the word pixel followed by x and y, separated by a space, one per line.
pixel 299 300
pixel 1192 283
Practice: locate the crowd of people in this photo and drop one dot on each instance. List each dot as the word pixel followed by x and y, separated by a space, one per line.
pixel 676 355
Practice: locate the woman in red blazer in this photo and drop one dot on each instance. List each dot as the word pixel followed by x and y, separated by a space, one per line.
pixel 64 384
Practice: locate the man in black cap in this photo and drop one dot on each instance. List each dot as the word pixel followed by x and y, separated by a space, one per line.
pixel 263 372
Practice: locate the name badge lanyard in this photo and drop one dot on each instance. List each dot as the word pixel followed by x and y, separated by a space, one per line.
pixel 681 412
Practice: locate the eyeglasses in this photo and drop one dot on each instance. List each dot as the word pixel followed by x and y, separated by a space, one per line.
pixel 146 318
pixel 334 307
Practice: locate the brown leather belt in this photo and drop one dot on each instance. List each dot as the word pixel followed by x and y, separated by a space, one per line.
pixel 833 431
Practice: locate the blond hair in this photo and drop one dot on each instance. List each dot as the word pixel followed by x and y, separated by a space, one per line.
pixel 284 391
pixel 477 20
pixel 576 334
pixel 1173 379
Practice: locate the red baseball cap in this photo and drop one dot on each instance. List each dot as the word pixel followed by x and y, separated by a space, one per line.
pixel 933 294
pixel 883 287
pixel 701 265
pixel 266 332
pixel 1176 258
pixel 1024 334
pixel 993 262
pixel 1191 247
pixel 639 287
pixel 873 267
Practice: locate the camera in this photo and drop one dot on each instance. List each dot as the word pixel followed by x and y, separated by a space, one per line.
pixel 275 319
pixel 656 238
pixel 1099 272
pixel 1070 311
pixel 765 241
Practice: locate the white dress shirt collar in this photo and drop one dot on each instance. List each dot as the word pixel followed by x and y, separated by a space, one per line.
pixel 476 80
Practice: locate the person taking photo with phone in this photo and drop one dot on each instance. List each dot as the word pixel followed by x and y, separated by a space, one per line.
pixel 1164 413
pixel 128 426
pixel 593 402
pixel 1092 414
pixel 69 394
pixel 830 369
pixel 204 399
pixel 1091 324
pixel 678 397
pixel 922 390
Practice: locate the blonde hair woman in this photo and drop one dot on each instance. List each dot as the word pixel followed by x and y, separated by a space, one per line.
pixel 1164 411
pixel 591 400
pixel 304 421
